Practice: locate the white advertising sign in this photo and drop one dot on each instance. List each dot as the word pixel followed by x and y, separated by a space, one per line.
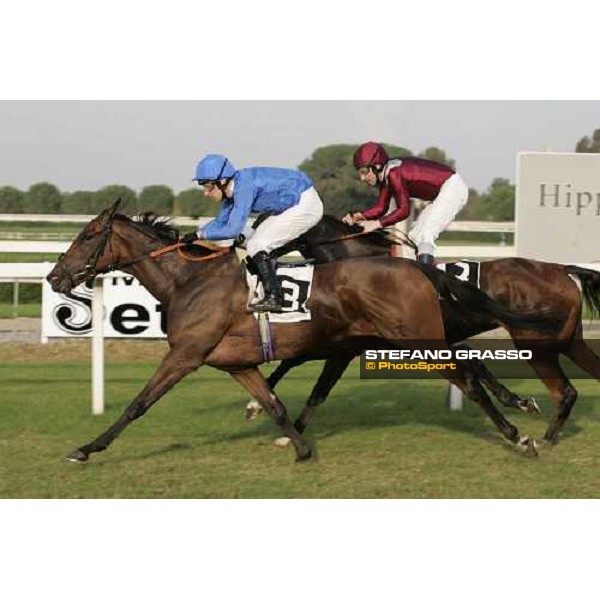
pixel 558 206
pixel 130 311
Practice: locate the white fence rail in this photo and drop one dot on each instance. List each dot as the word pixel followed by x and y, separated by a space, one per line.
pixel 470 226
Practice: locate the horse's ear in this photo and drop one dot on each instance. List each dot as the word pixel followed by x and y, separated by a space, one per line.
pixel 113 209
pixel 109 213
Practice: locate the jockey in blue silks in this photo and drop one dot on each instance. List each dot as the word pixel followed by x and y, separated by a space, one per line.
pixel 287 195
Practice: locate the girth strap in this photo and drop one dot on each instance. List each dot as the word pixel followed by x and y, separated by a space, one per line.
pixel 266 340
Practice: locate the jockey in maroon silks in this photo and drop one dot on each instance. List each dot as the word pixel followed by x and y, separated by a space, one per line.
pixel 403 179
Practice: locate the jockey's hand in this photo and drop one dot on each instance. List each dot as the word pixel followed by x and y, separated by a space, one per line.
pixel 352 218
pixel 189 238
pixel 239 240
pixel 369 226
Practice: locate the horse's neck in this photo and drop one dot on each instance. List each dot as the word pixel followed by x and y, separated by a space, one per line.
pixel 156 276
pixel 164 275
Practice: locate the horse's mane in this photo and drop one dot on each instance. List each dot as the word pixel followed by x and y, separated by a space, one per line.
pixel 160 226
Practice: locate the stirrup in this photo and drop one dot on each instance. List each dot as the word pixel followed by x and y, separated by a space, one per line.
pixel 266 304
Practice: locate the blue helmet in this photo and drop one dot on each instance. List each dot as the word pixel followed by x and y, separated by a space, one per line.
pixel 214 167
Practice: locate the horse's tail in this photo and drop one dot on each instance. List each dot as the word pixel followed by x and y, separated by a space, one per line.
pixel 466 297
pixel 590 287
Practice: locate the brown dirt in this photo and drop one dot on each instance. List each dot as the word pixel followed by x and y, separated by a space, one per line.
pixel 80 350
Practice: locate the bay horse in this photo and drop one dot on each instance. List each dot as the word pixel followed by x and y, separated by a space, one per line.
pixel 521 285
pixel 208 324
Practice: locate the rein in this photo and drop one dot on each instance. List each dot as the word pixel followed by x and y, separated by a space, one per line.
pixel 405 240
pixel 348 236
pixel 91 270
pixel 216 252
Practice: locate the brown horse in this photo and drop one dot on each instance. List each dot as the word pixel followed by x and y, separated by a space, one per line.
pixel 522 286
pixel 205 303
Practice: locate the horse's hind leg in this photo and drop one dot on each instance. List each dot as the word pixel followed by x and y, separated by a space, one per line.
pixel 562 391
pixel 474 390
pixel 175 365
pixel 584 357
pixel 256 384
pixel 462 377
pixel 500 392
pixel 333 369
pixel 254 408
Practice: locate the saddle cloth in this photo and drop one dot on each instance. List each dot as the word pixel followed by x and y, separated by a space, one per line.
pixel 464 270
pixel 296 284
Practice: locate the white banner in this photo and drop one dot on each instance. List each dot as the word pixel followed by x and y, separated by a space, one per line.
pixel 558 206
pixel 129 311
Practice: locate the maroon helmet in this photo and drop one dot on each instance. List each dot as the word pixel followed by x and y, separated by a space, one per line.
pixel 370 154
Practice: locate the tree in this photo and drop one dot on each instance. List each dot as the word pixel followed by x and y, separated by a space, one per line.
pixel 498 204
pixel 472 210
pixel 42 198
pixel 157 199
pixel 11 200
pixel 79 203
pixel 193 203
pixel 110 194
pixel 587 145
pixel 437 155
pixel 334 176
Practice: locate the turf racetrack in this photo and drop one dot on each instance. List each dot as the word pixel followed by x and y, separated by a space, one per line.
pixel 372 439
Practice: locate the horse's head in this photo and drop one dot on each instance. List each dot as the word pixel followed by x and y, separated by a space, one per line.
pixel 88 255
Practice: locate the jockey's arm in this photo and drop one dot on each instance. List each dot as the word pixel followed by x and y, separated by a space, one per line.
pixel 218 222
pixel 381 205
pixel 231 221
pixel 397 187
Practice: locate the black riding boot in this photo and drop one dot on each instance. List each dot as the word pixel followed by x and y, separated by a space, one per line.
pixel 425 259
pixel 273 295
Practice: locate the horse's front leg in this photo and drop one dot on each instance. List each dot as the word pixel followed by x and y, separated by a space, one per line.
pixel 333 369
pixel 256 384
pixel 175 365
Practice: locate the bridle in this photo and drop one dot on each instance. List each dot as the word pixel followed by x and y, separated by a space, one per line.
pixel 91 269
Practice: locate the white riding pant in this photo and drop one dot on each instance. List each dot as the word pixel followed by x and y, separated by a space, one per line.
pixel 280 229
pixel 440 213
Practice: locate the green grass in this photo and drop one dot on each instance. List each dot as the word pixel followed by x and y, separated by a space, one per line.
pixel 23 310
pixel 27 257
pixel 373 439
pixel 475 238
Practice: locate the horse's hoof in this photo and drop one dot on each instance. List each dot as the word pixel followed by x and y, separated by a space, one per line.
pixel 304 456
pixel 529 446
pixel 252 411
pixel 282 442
pixel 77 456
pixel 532 448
